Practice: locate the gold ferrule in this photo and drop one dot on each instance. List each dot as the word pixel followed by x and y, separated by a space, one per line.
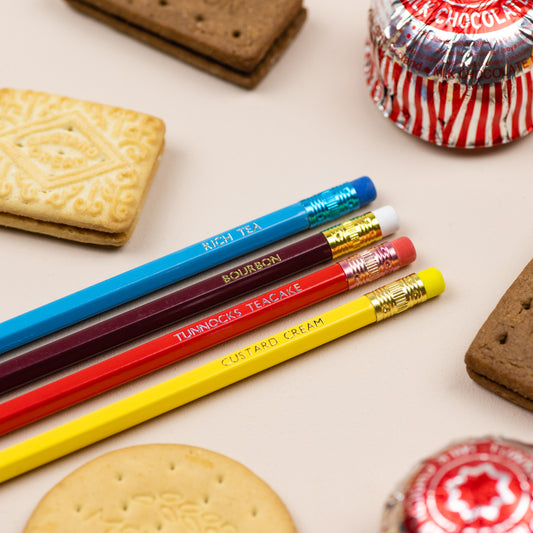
pixel 398 296
pixel 353 234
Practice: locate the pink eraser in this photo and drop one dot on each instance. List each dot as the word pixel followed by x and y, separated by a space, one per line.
pixel 405 250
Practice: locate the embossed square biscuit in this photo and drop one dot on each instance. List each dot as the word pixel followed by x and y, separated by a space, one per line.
pixel 168 488
pixel 74 169
pixel 500 357
pixel 237 40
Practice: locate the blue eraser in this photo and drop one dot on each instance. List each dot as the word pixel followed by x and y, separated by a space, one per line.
pixel 366 191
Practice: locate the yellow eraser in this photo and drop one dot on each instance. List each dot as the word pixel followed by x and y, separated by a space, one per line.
pixel 433 281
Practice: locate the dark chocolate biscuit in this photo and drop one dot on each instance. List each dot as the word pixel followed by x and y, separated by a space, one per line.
pixel 237 40
pixel 500 357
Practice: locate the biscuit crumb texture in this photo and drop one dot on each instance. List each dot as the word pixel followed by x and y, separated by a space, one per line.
pixel 500 357
pixel 168 488
pixel 74 169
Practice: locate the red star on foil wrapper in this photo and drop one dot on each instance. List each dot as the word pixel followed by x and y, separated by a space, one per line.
pixel 479 492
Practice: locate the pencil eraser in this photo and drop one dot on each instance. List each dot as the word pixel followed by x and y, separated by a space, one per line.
pixel 405 250
pixel 366 191
pixel 388 220
pixel 433 282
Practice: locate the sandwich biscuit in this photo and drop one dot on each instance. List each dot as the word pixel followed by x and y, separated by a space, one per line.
pixel 237 40
pixel 500 357
pixel 74 169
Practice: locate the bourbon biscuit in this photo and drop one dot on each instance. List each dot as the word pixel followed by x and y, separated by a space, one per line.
pixel 237 40
pixel 500 357
pixel 74 169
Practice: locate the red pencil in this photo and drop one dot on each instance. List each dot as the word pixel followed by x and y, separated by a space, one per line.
pixel 193 338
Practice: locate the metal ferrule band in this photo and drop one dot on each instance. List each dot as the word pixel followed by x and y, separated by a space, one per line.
pixel 331 204
pixel 398 296
pixel 370 265
pixel 349 236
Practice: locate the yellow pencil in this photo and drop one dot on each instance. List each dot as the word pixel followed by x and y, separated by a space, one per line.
pixel 154 401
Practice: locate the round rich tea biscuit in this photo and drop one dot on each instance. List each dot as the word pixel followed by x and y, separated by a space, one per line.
pixel 168 488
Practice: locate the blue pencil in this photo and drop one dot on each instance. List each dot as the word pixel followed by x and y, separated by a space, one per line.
pixel 325 206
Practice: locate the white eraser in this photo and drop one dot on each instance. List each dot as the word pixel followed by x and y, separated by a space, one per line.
pixel 388 219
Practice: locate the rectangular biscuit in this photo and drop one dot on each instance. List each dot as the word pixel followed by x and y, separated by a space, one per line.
pixel 74 169
pixel 500 357
pixel 237 40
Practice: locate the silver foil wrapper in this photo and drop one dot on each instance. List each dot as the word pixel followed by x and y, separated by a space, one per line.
pixel 456 73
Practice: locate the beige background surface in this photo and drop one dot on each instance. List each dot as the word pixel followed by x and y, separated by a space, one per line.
pixel 332 431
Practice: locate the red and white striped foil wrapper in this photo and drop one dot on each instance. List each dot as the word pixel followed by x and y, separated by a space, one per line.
pixel 456 73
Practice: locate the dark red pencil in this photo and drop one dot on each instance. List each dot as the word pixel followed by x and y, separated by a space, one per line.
pixel 311 251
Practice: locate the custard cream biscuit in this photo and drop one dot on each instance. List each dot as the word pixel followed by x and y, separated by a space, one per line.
pixel 74 169
pixel 237 40
pixel 161 487
pixel 500 357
